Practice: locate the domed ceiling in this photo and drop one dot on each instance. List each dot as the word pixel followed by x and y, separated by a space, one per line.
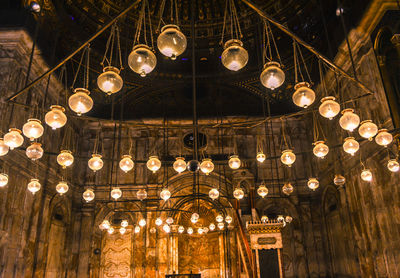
pixel 167 91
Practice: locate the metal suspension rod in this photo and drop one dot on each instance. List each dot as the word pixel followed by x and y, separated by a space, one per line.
pixel 305 44
pixel 98 33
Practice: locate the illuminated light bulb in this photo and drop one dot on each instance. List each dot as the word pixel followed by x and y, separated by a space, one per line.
pixel 320 149
pixel 137 229
pixel 213 194
pixel 116 193
pixel 171 42
pixel 366 175
pixel 194 218
pixel 153 164
pixel 313 183
pixel 142 60
pixel 219 218
pixel 329 108
pixel 287 188
pixel 280 218
pixel 383 138
pixel 166 228
pixel 261 157
pixel 205 230
pixel 169 220
pixel 303 96
pixel 56 117
pixel 200 230
pixel 88 195
pixel 349 120
pixel 110 230
pixel 181 229
pixel 110 82
pixel 288 157
pixel 221 226
pixel 339 180
pixel 367 130
pixel 234 57
pixel 33 129
pixel 350 145
pixel 212 227
pixel 124 223
pixel 272 75
pixel 3 147
pixel 13 139
pixel 34 151
pixel 207 166
pixel 3 179
pixel 34 186
pixel 288 219
pixel 141 194
pixel 105 225
pixel 264 218
pixel 165 194
pixel 153 230
pixel 158 221
pixel 62 187
pixel 238 193
pixel 179 164
pixel 80 102
pixel 95 163
pixel 126 164
pixel 393 165
pixel 122 230
pixel 262 190
pixel 190 230
pixel 65 158
pixel 142 222
pixel 234 162
pixel 228 219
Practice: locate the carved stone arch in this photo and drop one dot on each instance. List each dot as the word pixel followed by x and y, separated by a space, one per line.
pixel 107 210
pixel 60 205
pixel 330 199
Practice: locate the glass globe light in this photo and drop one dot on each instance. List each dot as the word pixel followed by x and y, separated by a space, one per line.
pixel 234 162
pixel 367 130
pixel 165 194
pixel 65 158
pixel 179 165
pixel 320 149
pixel 350 145
pixel 142 222
pixel 194 218
pixel 137 229
pixel 13 139
pixel 219 218
pixel 366 175
pixel 181 229
pixel 34 186
pixel 349 121
pixel 228 219
pixel 141 194
pixel 190 230
pixel 205 229
pixel 95 163
pixel 110 81
pixel 221 226
pixel 171 42
pixel 234 57
pixel 261 157
pixel 287 188
pixel 34 151
pixel 238 193
pixel 207 166
pixel 56 117
pixel 262 190
pixel 124 223
pixel 193 166
pixel 264 218
pixel 80 102
pixel 288 219
pixel 169 220
pixel 213 193
pixel 158 221
pixel 212 227
pixel 288 157
pixel 62 187
pixel 280 218
pixel 329 108
pixel 3 179
pixel 383 138
pixel 142 60
pixel 272 75
pixel 33 129
pixel 166 228
pixel 116 193
pixel 313 183
pixel 339 180
pixel 200 231
pixel 122 230
pixel 105 225
pixel 110 230
pixel 153 164
pixel 393 165
pixel 303 96
pixel 3 147
pixel 126 164
pixel 153 230
pixel 88 195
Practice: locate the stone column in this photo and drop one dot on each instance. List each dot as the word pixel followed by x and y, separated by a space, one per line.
pixel 85 242
pixel 221 254
pixel 173 249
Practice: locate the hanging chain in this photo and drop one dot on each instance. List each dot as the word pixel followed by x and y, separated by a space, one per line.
pixel 110 45
pixel 284 133
pixel 296 53
pixel 236 32
pixel 84 52
pixel 321 78
pixel 173 9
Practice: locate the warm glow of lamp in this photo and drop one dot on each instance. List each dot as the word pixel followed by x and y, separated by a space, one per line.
pixel 110 230
pixel 124 223
pixel 320 149
pixel 95 163
pixel 116 193
pixel 62 187
pixel 238 193
pixel 65 158
pixel 367 130
pixel 105 225
pixel 169 220
pixel 261 157
pixel 158 221
pixel 13 139
pixel 181 229
pixel 3 179
pixel 179 164
pixel 212 227
pixel 34 186
pixel 33 129
pixel 141 194
pixel 153 164
pixel 190 230
pixel 137 229
pixel 366 175
pixel 234 162
pixel 56 117
pixel 122 230
pixel 142 222
pixel 165 194
pixel 339 180
pixel 110 82
pixel 349 120
pixel 228 219
pixel 88 195
pixel 262 190
pixel 34 151
pixel 142 60
pixel 313 183
pixel 234 57
pixel 287 188
pixel 272 75
pixel 393 165
pixel 166 228
pixel 264 219
pixel 329 108
pixel 219 218
pixel 126 164
pixel 213 193
pixel 80 102
pixel 194 218
pixel 3 147
pixel 303 96
pixel 171 42
pixel 383 138
pixel 288 157
pixel 350 145
pixel 221 226
pixel 207 166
